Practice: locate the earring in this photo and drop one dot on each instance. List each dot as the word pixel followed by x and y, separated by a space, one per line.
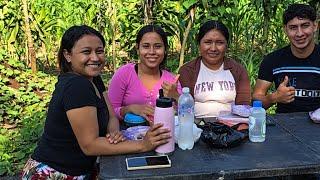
pixel 68 59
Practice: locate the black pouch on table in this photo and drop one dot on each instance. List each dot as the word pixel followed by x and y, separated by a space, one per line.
pixel 219 135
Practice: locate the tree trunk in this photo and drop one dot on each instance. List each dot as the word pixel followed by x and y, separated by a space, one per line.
pixel 32 54
pixel 185 36
pixel 147 8
pixel 266 22
pixel 316 5
pixel 114 34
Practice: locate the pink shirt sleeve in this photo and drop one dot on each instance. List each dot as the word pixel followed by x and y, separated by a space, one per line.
pixel 118 87
pixel 126 88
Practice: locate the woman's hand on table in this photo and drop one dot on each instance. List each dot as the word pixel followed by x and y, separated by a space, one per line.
pixel 155 136
pixel 115 137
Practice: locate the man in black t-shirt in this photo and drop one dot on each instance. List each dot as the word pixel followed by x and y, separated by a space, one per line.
pixel 295 69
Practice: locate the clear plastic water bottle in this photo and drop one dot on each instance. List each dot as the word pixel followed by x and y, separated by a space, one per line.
pixel 257 123
pixel 186 120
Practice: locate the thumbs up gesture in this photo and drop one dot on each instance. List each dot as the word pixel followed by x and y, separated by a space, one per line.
pixel 170 88
pixel 285 94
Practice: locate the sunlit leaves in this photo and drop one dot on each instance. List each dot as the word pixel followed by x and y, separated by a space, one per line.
pixel 22 111
pixel 188 3
pixel 25 105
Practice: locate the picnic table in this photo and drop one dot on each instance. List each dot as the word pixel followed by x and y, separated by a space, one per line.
pixel 291 148
pixel 301 127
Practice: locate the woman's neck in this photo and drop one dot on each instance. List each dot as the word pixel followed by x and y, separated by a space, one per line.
pixel 143 70
pixel 148 77
pixel 89 78
pixel 212 66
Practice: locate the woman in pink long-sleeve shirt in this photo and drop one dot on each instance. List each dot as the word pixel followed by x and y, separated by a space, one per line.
pixel 134 87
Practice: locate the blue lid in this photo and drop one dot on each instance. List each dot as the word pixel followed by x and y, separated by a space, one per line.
pixel 257 104
pixel 185 90
pixel 133 118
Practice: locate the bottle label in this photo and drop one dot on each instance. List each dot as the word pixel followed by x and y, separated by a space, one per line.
pixel 252 122
pixel 185 109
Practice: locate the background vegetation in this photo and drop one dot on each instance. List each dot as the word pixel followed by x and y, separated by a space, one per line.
pixel 30 31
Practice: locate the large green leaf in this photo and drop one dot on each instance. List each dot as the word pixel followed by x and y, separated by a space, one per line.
pixel 13 34
pixel 189 3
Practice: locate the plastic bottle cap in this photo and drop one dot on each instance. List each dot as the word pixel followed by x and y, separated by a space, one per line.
pixel 164 102
pixel 185 90
pixel 257 104
pixel 133 118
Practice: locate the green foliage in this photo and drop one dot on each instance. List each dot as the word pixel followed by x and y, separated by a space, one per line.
pixel 255 28
pixel 23 100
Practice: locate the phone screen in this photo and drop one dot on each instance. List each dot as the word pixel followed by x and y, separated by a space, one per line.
pixel 148 162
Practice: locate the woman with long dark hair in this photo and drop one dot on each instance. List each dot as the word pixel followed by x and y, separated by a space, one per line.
pixel 134 87
pixel 80 123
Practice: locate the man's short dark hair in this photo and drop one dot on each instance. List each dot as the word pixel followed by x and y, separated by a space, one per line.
pixel 300 11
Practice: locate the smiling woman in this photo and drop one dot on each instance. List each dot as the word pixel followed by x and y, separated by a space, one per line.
pixel 215 81
pixel 80 123
pixel 87 56
pixel 134 87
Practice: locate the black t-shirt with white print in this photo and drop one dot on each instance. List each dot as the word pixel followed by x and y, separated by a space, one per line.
pixel 303 74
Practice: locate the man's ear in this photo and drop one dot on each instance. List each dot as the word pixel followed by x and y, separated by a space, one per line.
pixel 316 26
pixel 67 55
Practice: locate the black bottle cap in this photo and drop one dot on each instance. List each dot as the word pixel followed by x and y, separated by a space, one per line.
pixel 162 101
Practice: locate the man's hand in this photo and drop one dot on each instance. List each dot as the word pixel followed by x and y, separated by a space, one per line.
pixel 285 94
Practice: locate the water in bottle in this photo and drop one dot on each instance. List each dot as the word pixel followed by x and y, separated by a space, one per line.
pixel 257 123
pixel 186 119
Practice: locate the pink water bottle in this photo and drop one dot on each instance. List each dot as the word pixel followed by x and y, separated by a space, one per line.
pixel 164 114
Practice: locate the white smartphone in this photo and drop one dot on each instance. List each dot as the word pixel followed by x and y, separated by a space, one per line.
pixel 148 162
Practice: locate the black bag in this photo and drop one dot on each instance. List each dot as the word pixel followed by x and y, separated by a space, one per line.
pixel 219 135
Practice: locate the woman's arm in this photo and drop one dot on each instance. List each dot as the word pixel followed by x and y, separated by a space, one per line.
pixel 114 134
pixel 187 78
pixel 113 125
pixel 243 88
pixel 85 127
pixel 118 88
pixel 116 91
